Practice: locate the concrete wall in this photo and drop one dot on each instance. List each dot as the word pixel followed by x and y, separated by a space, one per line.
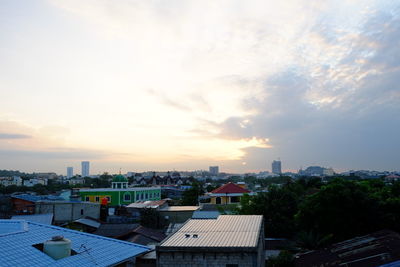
pixel 68 211
pixel 199 259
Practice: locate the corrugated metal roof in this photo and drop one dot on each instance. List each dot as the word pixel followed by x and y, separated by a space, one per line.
pixel 39 218
pixel 200 214
pixel 180 208
pixel 225 231
pixel 17 238
pixel 34 198
pixel 89 222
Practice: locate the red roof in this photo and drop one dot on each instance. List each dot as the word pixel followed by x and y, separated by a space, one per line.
pixel 229 188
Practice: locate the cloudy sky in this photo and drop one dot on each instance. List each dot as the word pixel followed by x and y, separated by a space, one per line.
pixel 162 85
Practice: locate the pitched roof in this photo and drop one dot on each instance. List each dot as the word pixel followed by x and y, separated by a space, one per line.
pixel 225 231
pixel 115 230
pixel 370 250
pixel 229 188
pixel 153 234
pixel 39 218
pixel 18 236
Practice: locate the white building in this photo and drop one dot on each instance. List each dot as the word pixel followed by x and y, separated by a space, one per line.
pixel 70 172
pixel 15 180
pixel 85 168
pixel 34 181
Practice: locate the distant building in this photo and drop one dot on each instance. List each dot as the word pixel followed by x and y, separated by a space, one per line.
pixel 85 168
pixel 228 193
pixel 214 170
pixel 229 240
pixel 277 167
pixel 35 181
pixel 120 194
pixel 70 172
pixel 15 180
pixel 62 210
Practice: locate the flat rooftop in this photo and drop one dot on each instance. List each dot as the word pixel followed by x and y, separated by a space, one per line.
pixel 118 189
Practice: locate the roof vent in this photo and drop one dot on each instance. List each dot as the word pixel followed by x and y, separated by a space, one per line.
pixel 195 236
pixel 187 235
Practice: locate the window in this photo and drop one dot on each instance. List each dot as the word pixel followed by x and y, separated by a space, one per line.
pixel 87 198
pixel 146 196
pixel 127 197
pixel 97 199
pixel 108 199
pixel 81 211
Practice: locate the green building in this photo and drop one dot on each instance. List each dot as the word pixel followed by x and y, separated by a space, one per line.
pixel 120 193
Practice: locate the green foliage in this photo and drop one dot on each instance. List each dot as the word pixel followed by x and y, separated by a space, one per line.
pixel 149 218
pixel 316 214
pixel 191 196
pixel 284 259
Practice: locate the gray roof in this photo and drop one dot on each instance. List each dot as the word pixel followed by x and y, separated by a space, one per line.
pixel 200 214
pixel 88 222
pixel 115 230
pixel 39 218
pixel 225 231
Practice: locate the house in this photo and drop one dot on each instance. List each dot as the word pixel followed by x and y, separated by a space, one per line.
pixel 23 246
pixel 228 193
pixel 15 180
pixel 120 193
pixel 62 210
pixel 375 249
pixel 25 203
pixel 34 181
pixel 229 240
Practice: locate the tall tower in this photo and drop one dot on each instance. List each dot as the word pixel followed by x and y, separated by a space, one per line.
pixel 214 170
pixel 85 168
pixel 277 167
pixel 70 172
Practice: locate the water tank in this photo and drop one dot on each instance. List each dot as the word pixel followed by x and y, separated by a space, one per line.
pixel 58 247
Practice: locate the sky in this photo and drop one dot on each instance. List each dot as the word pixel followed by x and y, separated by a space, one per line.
pixel 183 85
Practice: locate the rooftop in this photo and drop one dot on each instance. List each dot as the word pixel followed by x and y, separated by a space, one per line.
pixel 147 204
pixel 117 189
pixel 39 218
pixel 180 208
pixel 200 214
pixel 370 250
pixel 223 232
pixel 230 188
pixel 34 198
pixel 18 236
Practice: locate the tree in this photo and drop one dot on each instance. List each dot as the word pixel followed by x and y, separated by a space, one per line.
pixel 191 196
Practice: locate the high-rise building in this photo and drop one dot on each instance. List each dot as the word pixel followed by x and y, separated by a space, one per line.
pixel 276 167
pixel 70 172
pixel 85 168
pixel 214 170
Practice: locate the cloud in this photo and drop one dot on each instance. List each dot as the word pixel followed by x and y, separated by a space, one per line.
pixel 341 110
pixel 13 136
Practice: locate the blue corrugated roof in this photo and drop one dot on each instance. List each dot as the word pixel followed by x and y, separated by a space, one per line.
pixel 18 236
pixel 200 214
pixel 392 264
pixel 35 198
pixel 39 218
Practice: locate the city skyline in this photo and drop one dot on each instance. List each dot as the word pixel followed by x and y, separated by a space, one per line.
pixel 145 85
